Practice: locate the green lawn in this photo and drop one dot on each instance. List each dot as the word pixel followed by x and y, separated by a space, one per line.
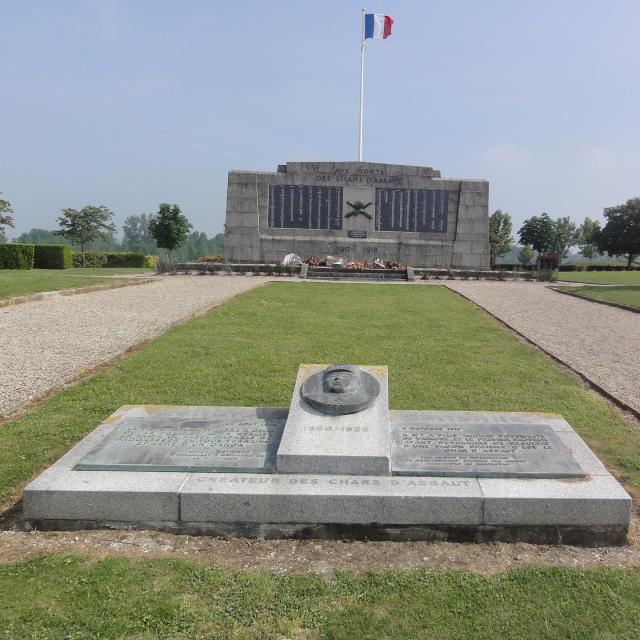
pixel 600 277
pixel 76 599
pixel 443 353
pixel 629 296
pixel 15 282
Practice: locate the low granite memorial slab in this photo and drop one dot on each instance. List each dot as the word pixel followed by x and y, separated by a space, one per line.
pixel 370 472
pixel 502 450
pixel 196 439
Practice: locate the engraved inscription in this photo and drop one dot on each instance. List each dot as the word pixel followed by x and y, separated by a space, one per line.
pixel 358 176
pixel 351 481
pixel 195 440
pixel 493 450
pixel 417 210
pixel 171 444
pixel 305 207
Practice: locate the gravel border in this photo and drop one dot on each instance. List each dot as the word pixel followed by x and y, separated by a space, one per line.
pixel 92 288
pixel 48 343
pixel 599 342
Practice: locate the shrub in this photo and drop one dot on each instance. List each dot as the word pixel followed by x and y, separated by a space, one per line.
pixel 136 260
pixel 217 258
pixel 110 260
pixel 52 256
pixel 16 256
pixel 165 264
pixel 546 275
pixel 92 259
pixel 150 262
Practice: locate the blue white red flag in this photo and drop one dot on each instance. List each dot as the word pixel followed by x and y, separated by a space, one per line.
pixel 377 25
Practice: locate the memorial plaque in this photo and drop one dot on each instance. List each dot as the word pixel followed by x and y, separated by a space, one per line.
pixel 221 442
pixel 482 451
pixel 305 207
pixel 417 210
pixel 357 233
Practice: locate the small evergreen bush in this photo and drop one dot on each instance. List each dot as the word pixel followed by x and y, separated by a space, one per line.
pixel 546 275
pixel 110 259
pixel 93 259
pixel 16 256
pixel 52 256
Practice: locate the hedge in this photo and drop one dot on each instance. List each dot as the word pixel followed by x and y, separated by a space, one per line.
pixel 16 256
pixel 52 256
pixel 109 260
pixel 610 267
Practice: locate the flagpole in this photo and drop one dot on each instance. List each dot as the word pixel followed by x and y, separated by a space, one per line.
pixel 362 47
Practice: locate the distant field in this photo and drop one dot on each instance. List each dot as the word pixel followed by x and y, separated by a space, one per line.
pixel 600 277
pixel 16 282
pixel 629 296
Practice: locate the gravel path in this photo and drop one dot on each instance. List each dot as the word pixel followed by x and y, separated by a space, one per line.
pixel 600 342
pixel 45 343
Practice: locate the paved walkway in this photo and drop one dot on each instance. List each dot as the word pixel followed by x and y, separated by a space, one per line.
pixel 43 344
pixel 600 342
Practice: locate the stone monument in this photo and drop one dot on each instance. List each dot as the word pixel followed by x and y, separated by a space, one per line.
pixel 337 463
pixel 359 210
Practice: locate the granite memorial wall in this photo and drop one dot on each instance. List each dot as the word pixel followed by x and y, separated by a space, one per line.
pixel 357 210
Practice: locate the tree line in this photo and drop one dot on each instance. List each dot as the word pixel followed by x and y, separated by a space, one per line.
pixel 551 239
pixel 92 229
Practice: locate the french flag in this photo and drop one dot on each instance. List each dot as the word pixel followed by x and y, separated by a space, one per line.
pixel 377 25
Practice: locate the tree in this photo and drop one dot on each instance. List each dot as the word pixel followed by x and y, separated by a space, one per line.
pixel 5 219
pixel 39 236
pixel 621 233
pixel 88 224
pixel 525 255
pixel 540 233
pixel 3 237
pixel 587 233
pixel 500 240
pixel 136 235
pixel 169 227
pixel 565 236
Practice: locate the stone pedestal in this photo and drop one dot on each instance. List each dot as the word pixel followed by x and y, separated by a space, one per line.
pixel 353 444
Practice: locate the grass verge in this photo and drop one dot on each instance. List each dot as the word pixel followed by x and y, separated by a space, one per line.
pixel 442 353
pixel 14 282
pixel 72 598
pixel 600 277
pixel 629 296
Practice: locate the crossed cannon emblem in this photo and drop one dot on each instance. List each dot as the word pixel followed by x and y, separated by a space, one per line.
pixel 357 208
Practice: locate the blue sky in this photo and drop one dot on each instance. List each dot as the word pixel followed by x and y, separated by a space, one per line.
pixel 131 103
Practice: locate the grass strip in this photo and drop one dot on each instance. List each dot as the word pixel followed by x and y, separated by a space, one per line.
pixel 72 598
pixel 627 295
pixel 600 277
pixel 442 352
pixel 15 282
